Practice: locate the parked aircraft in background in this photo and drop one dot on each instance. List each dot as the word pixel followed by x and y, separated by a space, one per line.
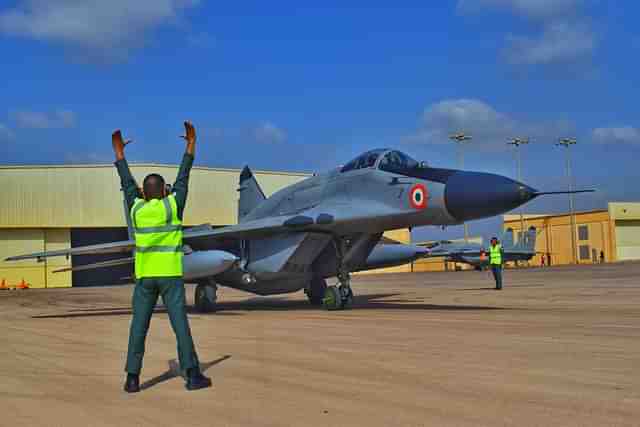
pixel 477 255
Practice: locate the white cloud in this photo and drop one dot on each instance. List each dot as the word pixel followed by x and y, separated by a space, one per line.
pixel 532 9
pixel 562 37
pixel 6 134
pixel 100 30
pixel 59 119
pixel 623 134
pixel 484 123
pixel 559 43
pixel 267 132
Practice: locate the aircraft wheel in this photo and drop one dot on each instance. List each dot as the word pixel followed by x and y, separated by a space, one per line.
pixel 316 290
pixel 205 298
pixel 332 299
pixel 347 296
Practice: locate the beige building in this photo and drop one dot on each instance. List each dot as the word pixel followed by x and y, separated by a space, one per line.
pixel 614 232
pixel 56 207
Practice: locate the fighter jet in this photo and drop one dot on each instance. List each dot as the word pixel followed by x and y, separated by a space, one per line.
pixel 327 225
pixel 478 256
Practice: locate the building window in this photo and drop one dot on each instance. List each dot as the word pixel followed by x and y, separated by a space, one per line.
pixel 585 253
pixel 583 232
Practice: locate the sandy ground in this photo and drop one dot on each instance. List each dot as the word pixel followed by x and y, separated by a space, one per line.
pixel 557 347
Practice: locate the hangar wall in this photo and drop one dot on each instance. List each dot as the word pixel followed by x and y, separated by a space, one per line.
pixel 626 217
pixel 20 241
pixel 614 231
pixel 43 205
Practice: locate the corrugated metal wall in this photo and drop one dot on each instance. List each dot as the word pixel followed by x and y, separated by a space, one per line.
pixel 38 275
pixel 89 196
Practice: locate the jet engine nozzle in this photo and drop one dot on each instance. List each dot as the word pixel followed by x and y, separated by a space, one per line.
pixel 476 195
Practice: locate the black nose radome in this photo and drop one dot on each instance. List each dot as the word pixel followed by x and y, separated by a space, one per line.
pixel 475 195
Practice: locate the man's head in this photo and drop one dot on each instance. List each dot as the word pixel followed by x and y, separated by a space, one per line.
pixel 154 187
pixel 494 241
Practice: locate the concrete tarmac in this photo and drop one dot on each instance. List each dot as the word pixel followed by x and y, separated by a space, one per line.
pixel 557 347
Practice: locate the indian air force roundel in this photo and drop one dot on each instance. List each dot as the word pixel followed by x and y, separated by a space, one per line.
pixel 418 196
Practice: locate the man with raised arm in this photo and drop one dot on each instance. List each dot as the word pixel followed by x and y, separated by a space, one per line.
pixel 157 224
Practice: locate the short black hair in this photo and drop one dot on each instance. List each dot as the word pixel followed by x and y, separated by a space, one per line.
pixel 153 185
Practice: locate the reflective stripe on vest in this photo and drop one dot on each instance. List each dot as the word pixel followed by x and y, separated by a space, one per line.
pixel 158 236
pixel 495 254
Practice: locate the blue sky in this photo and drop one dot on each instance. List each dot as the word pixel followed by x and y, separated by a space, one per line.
pixel 285 87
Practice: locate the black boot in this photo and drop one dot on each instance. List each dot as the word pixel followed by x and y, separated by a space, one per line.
pixel 195 380
pixel 132 384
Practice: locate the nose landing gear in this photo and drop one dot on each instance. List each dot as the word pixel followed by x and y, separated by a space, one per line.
pixel 206 297
pixel 341 296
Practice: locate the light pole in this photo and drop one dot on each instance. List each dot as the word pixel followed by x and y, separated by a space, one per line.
pixel 517 142
pixel 566 143
pixel 461 138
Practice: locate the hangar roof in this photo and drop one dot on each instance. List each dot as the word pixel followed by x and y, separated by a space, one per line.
pixel 69 196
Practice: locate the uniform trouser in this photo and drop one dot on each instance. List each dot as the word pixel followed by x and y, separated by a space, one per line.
pixel 496 269
pixel 145 296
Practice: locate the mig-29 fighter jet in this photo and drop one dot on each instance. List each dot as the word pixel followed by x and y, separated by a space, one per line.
pixel 328 225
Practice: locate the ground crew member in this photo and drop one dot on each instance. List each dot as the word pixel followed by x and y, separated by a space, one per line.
pixel 157 222
pixel 496 257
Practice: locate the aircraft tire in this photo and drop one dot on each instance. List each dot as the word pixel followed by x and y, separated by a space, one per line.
pixel 205 298
pixel 347 297
pixel 332 299
pixel 316 291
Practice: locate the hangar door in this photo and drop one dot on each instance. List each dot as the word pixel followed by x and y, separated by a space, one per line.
pixel 628 240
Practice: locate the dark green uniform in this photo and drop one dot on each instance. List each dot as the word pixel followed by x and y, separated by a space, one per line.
pixel 496 257
pixel 148 289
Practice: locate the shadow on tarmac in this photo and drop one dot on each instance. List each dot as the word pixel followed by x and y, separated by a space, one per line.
pixel 382 301
pixel 174 372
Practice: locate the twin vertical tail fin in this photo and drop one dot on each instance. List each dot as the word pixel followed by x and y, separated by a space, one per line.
pixel 251 195
pixel 526 243
pixel 529 241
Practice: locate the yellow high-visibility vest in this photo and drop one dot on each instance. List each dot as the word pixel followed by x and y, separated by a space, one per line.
pixel 495 254
pixel 158 236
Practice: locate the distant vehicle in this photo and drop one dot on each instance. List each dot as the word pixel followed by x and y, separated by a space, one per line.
pixel 478 256
pixel 327 225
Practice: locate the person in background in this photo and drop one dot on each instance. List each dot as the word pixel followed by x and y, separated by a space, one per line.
pixel 496 260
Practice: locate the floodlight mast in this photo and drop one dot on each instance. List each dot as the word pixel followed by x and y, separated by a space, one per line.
pixel 517 142
pixel 460 138
pixel 567 143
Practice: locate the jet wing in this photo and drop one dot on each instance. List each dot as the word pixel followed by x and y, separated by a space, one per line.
pixel 252 229
pixel 102 264
pixel 204 236
pixel 105 248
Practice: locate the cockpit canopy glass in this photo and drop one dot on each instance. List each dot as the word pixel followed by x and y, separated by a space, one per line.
pixel 366 160
pixel 398 162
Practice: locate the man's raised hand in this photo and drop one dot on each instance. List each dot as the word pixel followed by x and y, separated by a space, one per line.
pixel 189 136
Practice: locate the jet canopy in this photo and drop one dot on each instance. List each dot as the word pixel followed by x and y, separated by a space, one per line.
pixel 384 159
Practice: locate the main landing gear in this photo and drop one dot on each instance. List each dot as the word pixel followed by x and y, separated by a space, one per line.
pixel 341 296
pixel 206 296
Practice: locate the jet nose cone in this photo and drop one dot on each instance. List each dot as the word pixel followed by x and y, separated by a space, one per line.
pixel 475 195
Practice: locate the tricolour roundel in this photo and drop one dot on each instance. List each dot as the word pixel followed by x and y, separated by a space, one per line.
pixel 418 196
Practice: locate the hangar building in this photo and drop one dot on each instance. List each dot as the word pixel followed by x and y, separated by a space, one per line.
pixel 57 207
pixel 614 231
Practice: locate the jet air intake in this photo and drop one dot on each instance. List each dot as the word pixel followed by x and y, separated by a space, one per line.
pixel 475 195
